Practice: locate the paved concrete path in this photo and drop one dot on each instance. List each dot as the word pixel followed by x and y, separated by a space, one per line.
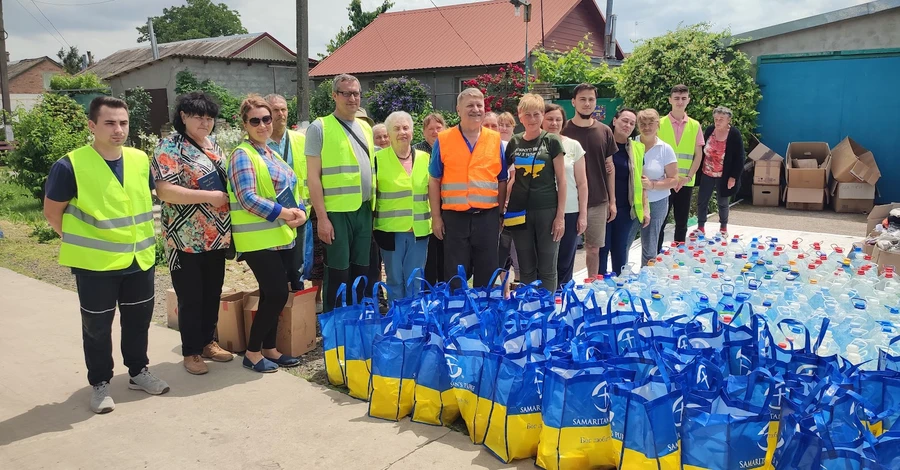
pixel 230 418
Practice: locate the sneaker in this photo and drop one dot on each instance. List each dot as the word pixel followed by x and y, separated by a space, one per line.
pixel 701 230
pixel 101 402
pixel 215 352
pixel 148 382
pixel 723 229
pixel 195 365
pixel 319 307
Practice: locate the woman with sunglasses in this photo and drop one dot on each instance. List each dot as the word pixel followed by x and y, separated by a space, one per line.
pixel 265 210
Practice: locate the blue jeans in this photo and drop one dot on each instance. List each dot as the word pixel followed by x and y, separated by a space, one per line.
pixel 568 245
pixel 651 233
pixel 619 235
pixel 399 264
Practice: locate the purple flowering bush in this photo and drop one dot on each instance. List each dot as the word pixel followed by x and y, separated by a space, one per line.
pixel 396 94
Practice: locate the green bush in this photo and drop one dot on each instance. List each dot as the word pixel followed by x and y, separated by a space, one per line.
pixel 292 112
pixel 229 105
pixel 396 94
pixel 138 101
pixel 161 259
pixel 321 103
pixel 45 134
pixel 571 67
pixel 717 75
pixel 85 81
pixel 43 232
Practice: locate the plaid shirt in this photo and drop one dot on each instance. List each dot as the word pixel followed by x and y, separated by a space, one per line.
pixel 242 177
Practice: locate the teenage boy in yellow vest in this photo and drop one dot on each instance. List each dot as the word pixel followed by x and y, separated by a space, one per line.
pixel 291 146
pixel 98 199
pixel 685 136
pixel 340 153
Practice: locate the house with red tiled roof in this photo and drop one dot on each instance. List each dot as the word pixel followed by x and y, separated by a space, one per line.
pixel 442 47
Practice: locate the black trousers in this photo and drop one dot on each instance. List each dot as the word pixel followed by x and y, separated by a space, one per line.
pixel 269 268
pixel 198 284
pixel 99 296
pixel 472 241
pixel 434 262
pixel 680 204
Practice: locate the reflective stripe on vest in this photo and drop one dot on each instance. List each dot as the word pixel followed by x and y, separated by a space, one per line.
pixel 685 149
pixel 402 203
pixel 470 177
pixel 252 233
pixel 637 163
pixel 109 225
pixel 341 183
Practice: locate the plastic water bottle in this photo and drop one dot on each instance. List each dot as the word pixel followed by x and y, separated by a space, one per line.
pixel 657 306
pixel 837 253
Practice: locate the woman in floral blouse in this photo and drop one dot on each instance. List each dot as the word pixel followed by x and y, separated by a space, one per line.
pixel 189 170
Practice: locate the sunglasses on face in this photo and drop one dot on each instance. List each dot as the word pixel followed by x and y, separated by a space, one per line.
pixel 256 121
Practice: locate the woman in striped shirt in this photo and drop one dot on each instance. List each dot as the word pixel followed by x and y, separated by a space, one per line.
pixel 269 266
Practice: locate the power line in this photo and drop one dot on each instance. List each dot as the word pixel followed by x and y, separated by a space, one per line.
pixel 38 22
pixel 51 23
pixel 74 4
pixel 460 35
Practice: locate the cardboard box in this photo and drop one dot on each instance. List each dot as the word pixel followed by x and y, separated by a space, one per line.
pixel 767 165
pixel 171 309
pixel 851 162
pixel 230 329
pixel 808 165
pixel 766 195
pixel 805 199
pixel 867 248
pixel 856 198
pixel 878 214
pixel 296 322
pixel 885 258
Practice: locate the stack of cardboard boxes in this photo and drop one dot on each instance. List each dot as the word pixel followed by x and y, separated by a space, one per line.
pixel 296 322
pixel 807 166
pixel 855 173
pixel 766 176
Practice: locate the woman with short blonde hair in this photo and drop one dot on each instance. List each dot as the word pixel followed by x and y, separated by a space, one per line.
pixel 659 176
pixel 506 123
pixel 535 215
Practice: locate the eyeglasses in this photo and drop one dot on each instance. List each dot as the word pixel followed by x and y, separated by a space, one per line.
pixel 349 94
pixel 255 121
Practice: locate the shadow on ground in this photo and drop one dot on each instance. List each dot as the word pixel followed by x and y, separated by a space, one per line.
pixel 56 417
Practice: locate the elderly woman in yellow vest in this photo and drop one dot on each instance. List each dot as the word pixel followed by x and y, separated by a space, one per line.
pixel 265 204
pixel 402 212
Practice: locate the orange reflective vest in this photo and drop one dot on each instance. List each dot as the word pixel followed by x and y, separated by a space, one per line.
pixel 470 178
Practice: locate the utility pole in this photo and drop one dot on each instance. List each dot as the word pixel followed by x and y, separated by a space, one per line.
pixel 4 79
pixel 302 62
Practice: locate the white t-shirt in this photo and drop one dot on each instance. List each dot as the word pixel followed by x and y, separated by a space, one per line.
pixel 574 152
pixel 655 160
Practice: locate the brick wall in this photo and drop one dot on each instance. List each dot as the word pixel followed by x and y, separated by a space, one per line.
pixel 32 81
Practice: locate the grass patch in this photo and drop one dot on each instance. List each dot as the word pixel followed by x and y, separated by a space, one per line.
pixel 16 203
pixel 21 253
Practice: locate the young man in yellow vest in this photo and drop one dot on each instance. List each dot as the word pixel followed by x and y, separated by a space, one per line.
pixel 98 199
pixel 685 136
pixel 467 191
pixel 340 153
pixel 291 146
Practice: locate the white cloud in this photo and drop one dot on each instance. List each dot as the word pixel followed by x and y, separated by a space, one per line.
pixel 105 28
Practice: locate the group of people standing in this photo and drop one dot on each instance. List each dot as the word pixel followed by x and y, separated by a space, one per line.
pixel 472 195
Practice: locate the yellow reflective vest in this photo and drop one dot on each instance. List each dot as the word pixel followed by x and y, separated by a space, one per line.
pixel 109 225
pixel 341 180
pixel 297 160
pixel 250 232
pixel 402 203
pixel 684 150
pixel 637 164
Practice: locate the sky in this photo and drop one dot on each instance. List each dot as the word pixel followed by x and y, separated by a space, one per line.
pixel 40 27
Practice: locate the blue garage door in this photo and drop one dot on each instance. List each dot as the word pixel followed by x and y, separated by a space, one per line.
pixel 827 97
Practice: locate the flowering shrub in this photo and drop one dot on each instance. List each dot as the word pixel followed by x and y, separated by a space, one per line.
pixel 228 138
pixel 396 94
pixel 501 90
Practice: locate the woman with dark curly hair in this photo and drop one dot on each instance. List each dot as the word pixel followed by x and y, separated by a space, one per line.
pixel 189 170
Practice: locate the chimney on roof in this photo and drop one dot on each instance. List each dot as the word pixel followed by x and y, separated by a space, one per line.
pixel 153 46
pixel 609 31
pixel 90 58
pixel 612 37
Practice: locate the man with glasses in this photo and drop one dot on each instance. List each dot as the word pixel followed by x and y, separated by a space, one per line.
pixel 340 160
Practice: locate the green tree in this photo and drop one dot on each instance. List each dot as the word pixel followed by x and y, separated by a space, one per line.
pixel 196 20
pixel 138 101
pixel 717 75
pixel 321 103
pixel 70 60
pixel 572 67
pixel 45 134
pixel 359 19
